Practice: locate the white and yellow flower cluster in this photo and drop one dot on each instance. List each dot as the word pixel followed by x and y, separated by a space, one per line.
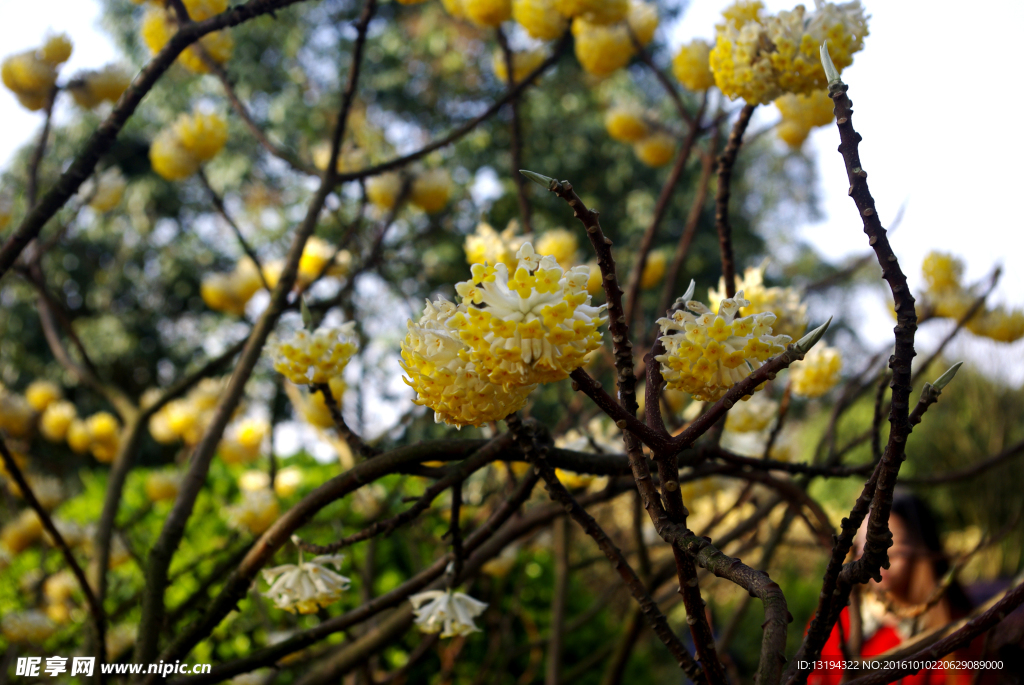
pixel 628 124
pixel 692 66
pixel 306 586
pixel 429 190
pixel 255 513
pixel 93 87
pixel 446 612
pixel 314 358
pixel 31 75
pixel 817 373
pixel 179 150
pixel 158 26
pixel 790 313
pixel 186 418
pixel 759 57
pixel 946 296
pixel 801 113
pixel 706 354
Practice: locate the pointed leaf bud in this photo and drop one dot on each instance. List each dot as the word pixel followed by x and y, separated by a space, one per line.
pixel 943 380
pixel 831 73
pixel 804 344
pixel 539 179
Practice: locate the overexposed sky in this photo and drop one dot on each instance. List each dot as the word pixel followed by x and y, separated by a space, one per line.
pixel 935 97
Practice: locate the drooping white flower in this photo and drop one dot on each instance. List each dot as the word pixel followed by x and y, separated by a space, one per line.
pixel 306 586
pixel 446 612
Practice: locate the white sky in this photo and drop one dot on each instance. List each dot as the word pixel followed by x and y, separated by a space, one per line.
pixel 930 73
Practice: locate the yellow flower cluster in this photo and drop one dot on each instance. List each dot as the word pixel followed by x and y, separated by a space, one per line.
pixel 94 87
pixel 801 113
pixel 627 124
pixel 601 50
pixel 17 418
pixel 692 66
pixel 162 486
pixel 243 441
pixel 706 354
pixel 947 297
pixel 179 150
pixel 312 406
pixel 186 418
pixel 429 190
pixel 48 491
pixel 313 358
pixel 486 245
pixel 817 373
pixel 540 18
pixel 790 313
pixel 308 586
pixel 104 193
pixel 759 57
pixel 350 158
pixel 753 415
pixel 255 513
pixel 523 62
pixel 438 367
pixel 31 75
pixel 488 13
pixel 20 533
pixel 654 269
pixel 158 25
pixel 533 326
pixel 231 292
pixel 655 150
pixel 561 244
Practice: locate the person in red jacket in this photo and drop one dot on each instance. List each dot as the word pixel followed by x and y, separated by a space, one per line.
pixel 893 610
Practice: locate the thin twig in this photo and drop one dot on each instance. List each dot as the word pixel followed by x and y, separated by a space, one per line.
pixel 726 161
pixel 365 450
pixel 515 136
pixel 218 204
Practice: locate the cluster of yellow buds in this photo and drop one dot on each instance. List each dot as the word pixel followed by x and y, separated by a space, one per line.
pixel 654 269
pixel 706 354
pixel 255 513
pixel 312 406
pixel 445 379
pixel 533 326
pixel 91 88
pixel 178 150
pixel 561 244
pixel 540 18
pixel 17 417
pixel 243 441
pixel 604 38
pixel 286 482
pixel 801 113
pixel 759 57
pixel 652 146
pixel 817 373
pixel 313 358
pixel 751 416
pixel 104 191
pixel 486 245
pixel 31 75
pixel 692 66
pixel 790 313
pixel 161 486
pixel 159 22
pixel 523 62
pixel 350 157
pixel 186 418
pixel 231 292
pixel 429 190
pixel 17 535
pixel 946 296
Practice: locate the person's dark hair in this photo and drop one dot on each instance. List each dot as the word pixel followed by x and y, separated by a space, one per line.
pixel 923 529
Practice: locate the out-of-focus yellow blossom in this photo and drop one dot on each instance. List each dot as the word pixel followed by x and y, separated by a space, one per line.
pixel 488 246
pixel 643 20
pixel 20 533
pixel 706 354
pixel 202 134
pixel 48 491
pixel 255 513
pixel 801 113
pixel 655 150
pixel 243 441
pixel 105 191
pixel 999 324
pixel 312 406
pixel 487 12
pixel 17 418
pixel 817 373
pixel 445 612
pixel 625 124
pixel 654 269
pixel 169 158
pixel 56 50
pixel 692 66
pixel 31 628
pixel 535 326
pixel 602 12
pixel 253 480
pixel 560 244
pixel 942 271
pixel 60 586
pixel 40 394
pixel 501 565
pixel 29 78
pixel 430 190
pixel 158 25
pixel 540 18
pixel 759 57
pixel 595 283
pixel 317 357
pixel 438 367
pixel 187 417
pixel 231 292
pixel 350 158
pixel 161 486
pixel 573 480
pixel 104 436
pixel 287 481
pixel 383 190
pixel 790 313
pixel 78 436
pixel 316 257
pixel 455 8
pixel 523 63
pixel 92 88
pixel 56 419
pixel 306 586
pixel 697 489
pixel 600 49
pixel 753 415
